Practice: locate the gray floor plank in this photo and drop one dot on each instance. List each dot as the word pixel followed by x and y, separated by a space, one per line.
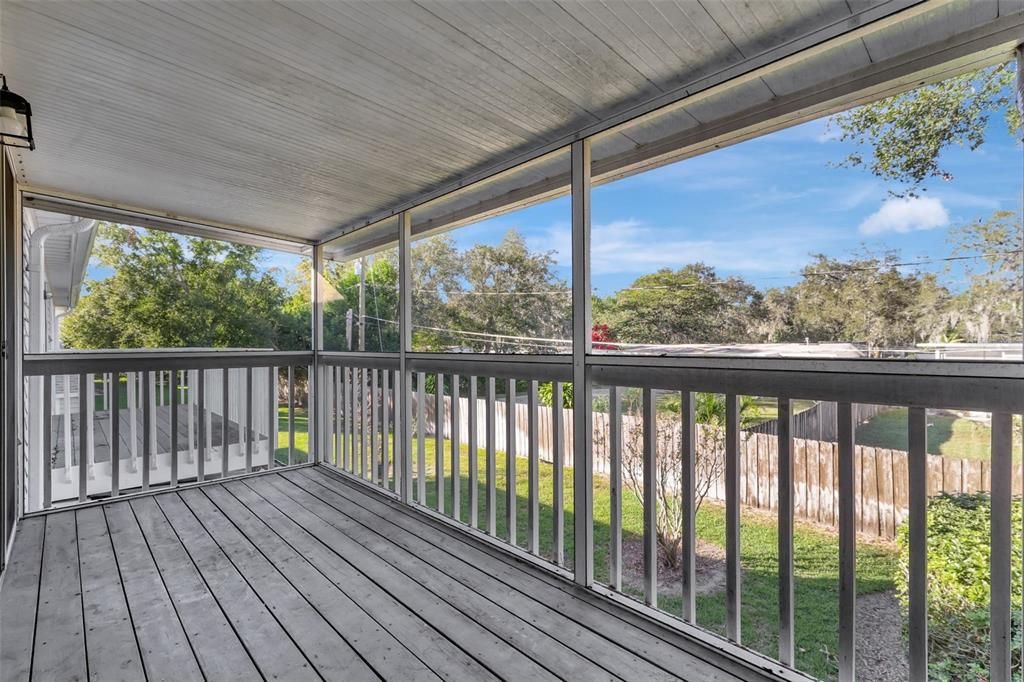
pixel 407 626
pixel 110 637
pixel 166 653
pixel 629 628
pixel 59 652
pixel 515 632
pixel 18 599
pixel 485 646
pixel 306 574
pixel 270 646
pixel 333 657
pixel 375 644
pixel 220 653
pixel 607 652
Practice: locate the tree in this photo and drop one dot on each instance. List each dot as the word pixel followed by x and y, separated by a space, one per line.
pixel 502 298
pixel 688 305
pixel 341 298
pixel 437 268
pixel 990 308
pixel 906 134
pixel 168 291
pixel 864 299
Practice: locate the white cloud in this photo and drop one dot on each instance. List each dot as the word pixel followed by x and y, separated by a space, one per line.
pixel 906 215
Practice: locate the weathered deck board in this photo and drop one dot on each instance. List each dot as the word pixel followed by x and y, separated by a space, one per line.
pixel 166 652
pixel 405 624
pixel 544 606
pixel 492 651
pixel 18 599
pixel 329 653
pixel 307 575
pixel 110 638
pixel 272 648
pixel 641 636
pixel 380 649
pixel 59 652
pixel 360 526
pixel 219 653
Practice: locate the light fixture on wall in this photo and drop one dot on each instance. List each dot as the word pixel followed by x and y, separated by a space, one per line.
pixel 15 119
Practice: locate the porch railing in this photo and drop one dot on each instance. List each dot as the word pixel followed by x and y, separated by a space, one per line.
pixel 110 424
pixel 104 424
pixel 460 404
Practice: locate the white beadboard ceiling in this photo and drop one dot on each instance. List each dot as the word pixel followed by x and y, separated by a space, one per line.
pixel 303 118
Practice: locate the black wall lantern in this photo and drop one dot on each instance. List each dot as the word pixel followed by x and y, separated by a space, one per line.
pixel 15 119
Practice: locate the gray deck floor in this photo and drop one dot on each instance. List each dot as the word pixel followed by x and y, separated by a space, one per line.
pixel 304 575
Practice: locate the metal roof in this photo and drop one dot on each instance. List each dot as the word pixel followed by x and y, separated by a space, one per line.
pixel 300 119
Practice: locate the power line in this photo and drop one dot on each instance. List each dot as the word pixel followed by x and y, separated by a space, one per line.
pixel 495 293
pixel 536 341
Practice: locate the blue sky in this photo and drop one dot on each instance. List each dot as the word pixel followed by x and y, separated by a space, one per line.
pixel 761 208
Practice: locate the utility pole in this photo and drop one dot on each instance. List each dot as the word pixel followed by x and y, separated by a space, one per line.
pixel 362 303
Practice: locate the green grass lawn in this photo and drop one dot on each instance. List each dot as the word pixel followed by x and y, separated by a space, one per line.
pixel 301 435
pixel 768 408
pixel 816 569
pixel 948 435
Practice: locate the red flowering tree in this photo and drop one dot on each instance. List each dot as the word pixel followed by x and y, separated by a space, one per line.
pixel 601 334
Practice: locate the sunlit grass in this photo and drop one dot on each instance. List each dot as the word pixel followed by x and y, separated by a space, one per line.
pixel 301 435
pixel 948 435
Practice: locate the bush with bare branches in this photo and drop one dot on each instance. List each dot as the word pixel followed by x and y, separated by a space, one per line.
pixel 709 465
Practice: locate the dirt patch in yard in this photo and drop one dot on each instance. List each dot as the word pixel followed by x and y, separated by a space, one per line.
pixel 710 564
pixel 881 652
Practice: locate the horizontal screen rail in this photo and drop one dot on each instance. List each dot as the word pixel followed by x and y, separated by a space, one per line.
pixel 950 391
pixel 363 360
pixel 540 367
pixel 49 364
pixel 944 368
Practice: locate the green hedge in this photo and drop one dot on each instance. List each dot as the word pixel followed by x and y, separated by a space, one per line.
pixel 959 587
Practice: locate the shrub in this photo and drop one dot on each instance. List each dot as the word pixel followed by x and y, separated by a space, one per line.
pixel 545 390
pixel 959 586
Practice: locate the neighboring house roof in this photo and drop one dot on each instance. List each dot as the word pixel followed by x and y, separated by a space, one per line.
pixel 66 256
pixel 763 350
pixel 972 351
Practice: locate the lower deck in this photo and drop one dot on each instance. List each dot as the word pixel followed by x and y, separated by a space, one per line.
pixel 304 574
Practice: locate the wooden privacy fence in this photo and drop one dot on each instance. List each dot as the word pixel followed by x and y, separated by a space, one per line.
pixel 818 422
pixel 881 473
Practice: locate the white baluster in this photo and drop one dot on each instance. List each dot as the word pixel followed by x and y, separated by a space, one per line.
pixel 68 440
pixel 88 393
pixel 207 420
pixel 133 417
pixel 191 401
pixel 112 414
pixel 151 399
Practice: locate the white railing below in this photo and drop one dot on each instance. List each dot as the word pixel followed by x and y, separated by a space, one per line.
pixel 106 423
